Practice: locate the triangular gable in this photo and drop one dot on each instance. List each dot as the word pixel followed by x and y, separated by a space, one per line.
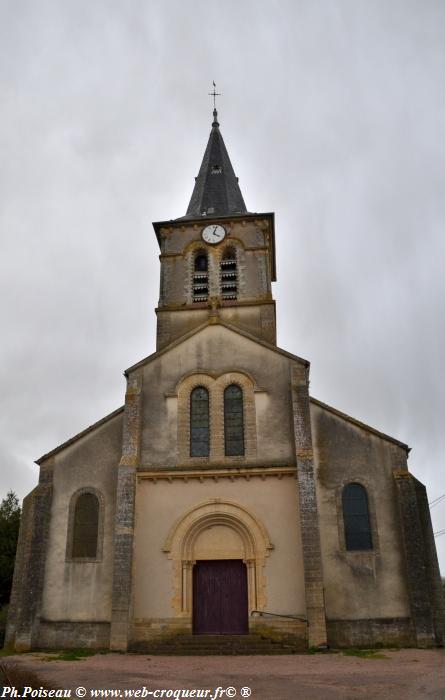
pixel 203 327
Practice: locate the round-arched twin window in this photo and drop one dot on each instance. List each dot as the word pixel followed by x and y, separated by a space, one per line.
pixel 199 422
pixel 233 422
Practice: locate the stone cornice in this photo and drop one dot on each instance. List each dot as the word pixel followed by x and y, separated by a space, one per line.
pixel 215 473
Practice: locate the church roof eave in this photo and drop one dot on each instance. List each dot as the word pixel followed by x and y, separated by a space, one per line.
pixel 213 218
pixel 280 351
pixel 76 437
pixel 360 424
pixel 200 220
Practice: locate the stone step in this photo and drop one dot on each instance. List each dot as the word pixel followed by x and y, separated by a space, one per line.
pixel 258 645
pixel 245 640
pixel 183 645
pixel 223 651
pixel 216 652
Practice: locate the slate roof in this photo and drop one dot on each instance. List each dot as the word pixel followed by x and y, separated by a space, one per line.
pixel 216 191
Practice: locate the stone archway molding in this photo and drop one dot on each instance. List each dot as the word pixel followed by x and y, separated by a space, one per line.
pixel 180 545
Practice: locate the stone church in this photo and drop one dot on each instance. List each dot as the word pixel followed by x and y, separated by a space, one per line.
pixel 222 499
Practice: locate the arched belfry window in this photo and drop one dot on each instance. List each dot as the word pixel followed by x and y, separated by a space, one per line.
pixel 200 277
pixel 199 422
pixel 229 275
pixel 233 421
pixel 358 532
pixel 85 528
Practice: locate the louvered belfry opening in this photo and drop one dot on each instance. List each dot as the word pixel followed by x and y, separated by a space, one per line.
pixel 229 275
pixel 85 527
pixel 200 277
pixel 233 421
pixel 358 532
pixel 199 422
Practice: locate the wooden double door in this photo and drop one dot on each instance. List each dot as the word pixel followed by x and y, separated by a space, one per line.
pixel 220 597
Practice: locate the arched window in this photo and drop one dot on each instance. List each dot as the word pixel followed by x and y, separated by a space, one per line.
pixel 233 421
pixel 85 527
pixel 199 422
pixel 229 279
pixel 200 277
pixel 358 532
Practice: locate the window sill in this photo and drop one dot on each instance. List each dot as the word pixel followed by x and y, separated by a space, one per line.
pixel 83 560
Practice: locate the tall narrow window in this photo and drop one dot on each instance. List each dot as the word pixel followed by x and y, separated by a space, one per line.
pixel 85 527
pixel 199 422
pixel 233 421
pixel 358 533
pixel 229 281
pixel 200 278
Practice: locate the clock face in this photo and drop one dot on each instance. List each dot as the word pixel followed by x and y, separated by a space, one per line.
pixel 214 233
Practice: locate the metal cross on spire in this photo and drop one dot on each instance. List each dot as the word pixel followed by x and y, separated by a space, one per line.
pixel 214 94
pixel 215 113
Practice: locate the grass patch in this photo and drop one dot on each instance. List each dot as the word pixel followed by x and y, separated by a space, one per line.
pixel 7 652
pixel 71 655
pixel 364 653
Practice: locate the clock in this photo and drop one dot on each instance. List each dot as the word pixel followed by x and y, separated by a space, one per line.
pixel 214 233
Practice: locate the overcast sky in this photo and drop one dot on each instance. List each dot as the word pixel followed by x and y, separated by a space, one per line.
pixel 333 113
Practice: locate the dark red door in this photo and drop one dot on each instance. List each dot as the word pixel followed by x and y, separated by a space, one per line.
pixel 220 597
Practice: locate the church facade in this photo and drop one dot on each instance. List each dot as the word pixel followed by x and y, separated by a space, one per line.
pixel 221 498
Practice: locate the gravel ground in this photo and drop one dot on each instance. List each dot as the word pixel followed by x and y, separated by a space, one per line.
pixel 409 674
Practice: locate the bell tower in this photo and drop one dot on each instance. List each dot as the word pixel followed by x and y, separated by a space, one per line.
pixel 217 261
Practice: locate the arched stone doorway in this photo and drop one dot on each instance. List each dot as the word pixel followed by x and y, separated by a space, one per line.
pixel 217 531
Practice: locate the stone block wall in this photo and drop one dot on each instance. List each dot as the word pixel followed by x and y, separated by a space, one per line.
pixel 22 631
pixel 125 515
pixel 432 571
pixel 74 635
pixel 309 519
pixel 419 565
pixel 392 631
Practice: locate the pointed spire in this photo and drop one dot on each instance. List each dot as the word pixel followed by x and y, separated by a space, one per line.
pixel 216 191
